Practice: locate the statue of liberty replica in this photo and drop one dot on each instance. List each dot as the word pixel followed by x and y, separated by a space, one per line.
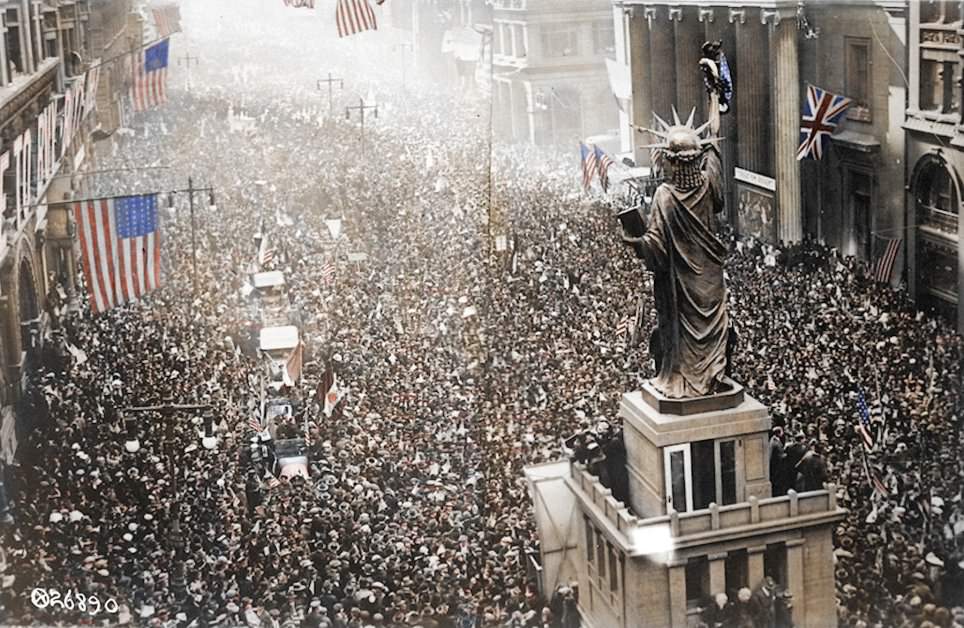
pixel 681 248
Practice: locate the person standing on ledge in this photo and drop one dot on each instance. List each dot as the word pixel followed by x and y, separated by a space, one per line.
pixel 680 246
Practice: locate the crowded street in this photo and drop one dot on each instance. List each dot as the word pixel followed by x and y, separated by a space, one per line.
pixel 430 369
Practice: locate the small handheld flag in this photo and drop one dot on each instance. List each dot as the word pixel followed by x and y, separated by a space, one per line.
pixel 589 167
pixel 863 427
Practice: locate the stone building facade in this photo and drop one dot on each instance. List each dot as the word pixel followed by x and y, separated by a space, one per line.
pixel 851 198
pixel 47 93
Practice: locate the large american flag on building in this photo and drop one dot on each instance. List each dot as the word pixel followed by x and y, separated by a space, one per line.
pixel 120 246
pixel 884 269
pixel 167 19
pixel 149 87
pixel 354 16
pixel 822 111
pixel 589 165
pixel 603 163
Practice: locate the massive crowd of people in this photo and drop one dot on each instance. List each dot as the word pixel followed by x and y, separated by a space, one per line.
pixel 457 368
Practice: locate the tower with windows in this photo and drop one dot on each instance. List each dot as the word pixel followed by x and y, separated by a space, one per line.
pixel 701 519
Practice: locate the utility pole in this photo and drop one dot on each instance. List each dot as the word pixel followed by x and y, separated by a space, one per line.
pixel 331 84
pixel 188 61
pixel 361 108
pixel 403 46
pixel 190 194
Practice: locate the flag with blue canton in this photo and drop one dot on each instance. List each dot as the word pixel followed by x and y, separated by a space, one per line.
pixel 589 166
pixel 863 422
pixel 120 244
pixel 822 111
pixel 149 87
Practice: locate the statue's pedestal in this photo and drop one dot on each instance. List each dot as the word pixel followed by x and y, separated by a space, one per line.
pixel 663 434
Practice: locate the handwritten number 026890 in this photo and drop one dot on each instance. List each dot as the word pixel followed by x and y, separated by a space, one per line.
pixel 44 598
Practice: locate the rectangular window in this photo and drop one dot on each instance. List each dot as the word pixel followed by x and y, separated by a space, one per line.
pixel 860 206
pixel 775 563
pixel 677 478
pixel 601 555
pixel 736 570
pixel 697 581
pixel 560 40
pixel 704 473
pixel 613 570
pixel 603 37
pixel 590 533
pixel 937 86
pixel 857 68
pixel 728 472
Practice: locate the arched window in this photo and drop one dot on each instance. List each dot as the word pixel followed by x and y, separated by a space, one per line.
pixel 936 193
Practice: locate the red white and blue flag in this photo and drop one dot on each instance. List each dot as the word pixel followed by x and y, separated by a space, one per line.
pixel 603 163
pixel 354 16
pixel 308 4
pixel 822 111
pixel 886 261
pixel 167 20
pixel 589 165
pixel 863 427
pixel 149 88
pixel 120 246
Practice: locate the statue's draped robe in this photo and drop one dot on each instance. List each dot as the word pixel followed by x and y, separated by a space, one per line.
pixel 687 259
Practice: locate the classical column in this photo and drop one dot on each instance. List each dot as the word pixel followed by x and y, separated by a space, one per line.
pixel 752 93
pixel 677 594
pixel 689 78
pixel 717 573
pixel 795 580
pixel 641 72
pixel 755 564
pixel 786 127
pixel 4 71
pixel 661 49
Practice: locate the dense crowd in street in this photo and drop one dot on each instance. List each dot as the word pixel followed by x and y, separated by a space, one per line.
pixel 457 367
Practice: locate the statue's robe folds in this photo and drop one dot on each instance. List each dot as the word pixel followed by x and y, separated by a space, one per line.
pixel 687 258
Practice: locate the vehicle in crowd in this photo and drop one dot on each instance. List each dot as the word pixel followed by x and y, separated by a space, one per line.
pixel 272 295
pixel 277 345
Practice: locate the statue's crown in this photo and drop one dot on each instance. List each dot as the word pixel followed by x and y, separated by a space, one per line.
pixel 681 141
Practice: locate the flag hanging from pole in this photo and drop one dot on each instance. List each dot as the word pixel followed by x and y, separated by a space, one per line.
pixel 120 244
pixel 589 167
pixel 167 20
pixel 354 16
pixel 603 163
pixel 292 370
pixel 884 268
pixel 332 394
pixel 863 427
pixel 822 111
pixel 149 88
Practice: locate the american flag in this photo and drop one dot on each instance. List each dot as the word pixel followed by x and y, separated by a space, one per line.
pixel 167 20
pixel 876 482
pixel 273 482
pixel 886 261
pixel 266 252
pixel 120 244
pixel 589 166
pixel 149 87
pixel 309 4
pixel 255 424
pixel 354 16
pixel 863 422
pixel 328 272
pixel 822 112
pixel 622 327
pixel 603 163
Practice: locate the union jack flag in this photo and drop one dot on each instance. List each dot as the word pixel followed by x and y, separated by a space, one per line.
pixel 589 165
pixel 603 163
pixel 822 112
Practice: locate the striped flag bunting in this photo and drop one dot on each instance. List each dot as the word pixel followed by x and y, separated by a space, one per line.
pixel 149 87
pixel 354 16
pixel 863 427
pixel 603 163
pixel 589 165
pixel 120 244
pixel 167 20
pixel 884 268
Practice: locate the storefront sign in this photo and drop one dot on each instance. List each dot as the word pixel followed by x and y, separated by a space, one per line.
pixel 759 180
